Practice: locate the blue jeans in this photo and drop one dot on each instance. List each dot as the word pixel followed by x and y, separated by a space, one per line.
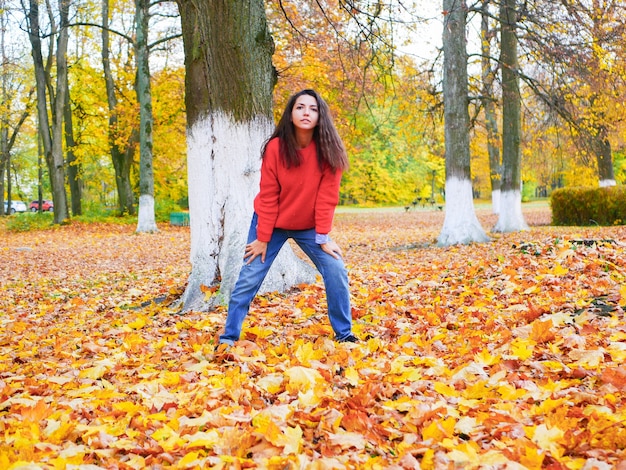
pixel 251 277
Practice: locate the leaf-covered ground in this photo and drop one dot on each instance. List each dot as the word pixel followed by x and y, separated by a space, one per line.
pixel 503 355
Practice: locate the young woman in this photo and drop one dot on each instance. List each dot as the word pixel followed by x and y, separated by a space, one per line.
pixel 303 161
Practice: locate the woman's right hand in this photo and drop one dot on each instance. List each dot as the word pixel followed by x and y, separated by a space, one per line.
pixel 254 249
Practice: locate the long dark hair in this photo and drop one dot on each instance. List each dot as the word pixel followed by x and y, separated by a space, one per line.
pixel 330 148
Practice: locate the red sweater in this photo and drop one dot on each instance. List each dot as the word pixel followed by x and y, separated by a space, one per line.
pixel 296 198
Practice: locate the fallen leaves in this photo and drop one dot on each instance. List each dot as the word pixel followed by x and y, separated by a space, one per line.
pixel 501 355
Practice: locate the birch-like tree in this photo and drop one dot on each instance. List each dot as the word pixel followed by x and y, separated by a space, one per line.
pixel 229 82
pixel 460 226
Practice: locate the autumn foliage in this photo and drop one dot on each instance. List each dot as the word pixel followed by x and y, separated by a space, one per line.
pixel 501 355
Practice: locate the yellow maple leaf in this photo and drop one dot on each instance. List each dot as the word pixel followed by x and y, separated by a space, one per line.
pixel 164 432
pixel 271 383
pixel 445 390
pixel 546 438
pixel 484 358
pixel 522 348
pixel 311 397
pixel 352 375
pixel 170 378
pixel 302 378
pixel 287 437
pixel 259 332
pixel 139 323
pixel 168 439
pixel 128 407
pixel 292 440
pixel 464 455
pixel 57 431
pixel 93 373
pixel 439 429
pixel 306 353
pixel 559 270
pixel 532 457
pixel 202 439
pixel 510 393
pixel 188 460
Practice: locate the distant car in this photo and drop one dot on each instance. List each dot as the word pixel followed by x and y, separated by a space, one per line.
pixel 16 206
pixel 46 205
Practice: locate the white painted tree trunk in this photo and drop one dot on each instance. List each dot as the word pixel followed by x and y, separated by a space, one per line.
pixel 607 183
pixel 495 201
pixel 224 170
pixel 460 226
pixel 146 221
pixel 511 218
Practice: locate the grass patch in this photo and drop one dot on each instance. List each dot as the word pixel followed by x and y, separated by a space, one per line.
pixel 27 221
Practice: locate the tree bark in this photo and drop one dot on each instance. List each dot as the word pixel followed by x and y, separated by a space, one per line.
pixel 510 218
pixel 229 82
pixel 122 157
pixel 145 221
pixel 461 226
pixel 4 159
pixel 52 135
pixel 73 166
pixel 488 102
pixel 604 157
pixel 56 167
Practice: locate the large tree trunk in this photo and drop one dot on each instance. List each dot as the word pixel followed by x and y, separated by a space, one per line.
pixel 488 101
pixel 4 158
pixel 460 226
pixel 73 166
pixel 145 220
pixel 57 167
pixel 604 157
pixel 122 157
pixel 4 119
pixel 52 137
pixel 229 81
pixel 510 218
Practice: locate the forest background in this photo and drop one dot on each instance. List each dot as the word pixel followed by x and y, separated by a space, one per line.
pixel 386 99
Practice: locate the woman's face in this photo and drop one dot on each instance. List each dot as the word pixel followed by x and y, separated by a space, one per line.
pixel 305 113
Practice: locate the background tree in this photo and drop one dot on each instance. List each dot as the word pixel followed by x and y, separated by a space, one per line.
pixel 510 217
pixel 15 102
pixel 488 102
pixel 122 144
pixel 227 122
pixel 574 48
pixel 73 165
pixel 51 132
pixel 379 99
pixel 146 221
pixel 460 225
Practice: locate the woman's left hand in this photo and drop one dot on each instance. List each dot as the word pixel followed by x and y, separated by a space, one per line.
pixel 254 249
pixel 332 249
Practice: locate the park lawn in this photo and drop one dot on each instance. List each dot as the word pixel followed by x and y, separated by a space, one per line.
pixel 504 355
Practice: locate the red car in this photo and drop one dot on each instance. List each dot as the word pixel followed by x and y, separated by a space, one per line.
pixel 46 205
